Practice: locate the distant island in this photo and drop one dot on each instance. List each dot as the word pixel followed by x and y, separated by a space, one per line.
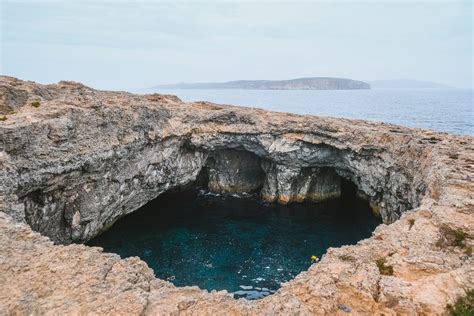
pixel 406 84
pixel 315 83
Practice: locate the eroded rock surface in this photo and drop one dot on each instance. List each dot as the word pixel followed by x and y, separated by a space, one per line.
pixel 84 158
pixel 285 184
pixel 234 171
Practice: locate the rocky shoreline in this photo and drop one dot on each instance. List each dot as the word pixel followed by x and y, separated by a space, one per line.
pixel 75 159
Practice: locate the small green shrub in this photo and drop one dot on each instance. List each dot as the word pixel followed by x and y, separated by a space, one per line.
pixel 464 306
pixel 452 237
pixel 459 237
pixel 3 118
pixel 384 269
pixel 35 104
pixel 411 222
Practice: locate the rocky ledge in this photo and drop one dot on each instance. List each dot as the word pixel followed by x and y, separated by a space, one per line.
pixel 74 160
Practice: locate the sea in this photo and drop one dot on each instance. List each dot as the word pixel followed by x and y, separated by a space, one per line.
pixel 449 110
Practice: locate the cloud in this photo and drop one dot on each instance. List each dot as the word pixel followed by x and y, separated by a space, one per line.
pixel 158 42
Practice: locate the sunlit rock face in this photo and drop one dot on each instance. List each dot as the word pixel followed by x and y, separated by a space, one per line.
pixel 84 158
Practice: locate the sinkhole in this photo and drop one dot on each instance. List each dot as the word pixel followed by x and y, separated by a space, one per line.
pixel 238 242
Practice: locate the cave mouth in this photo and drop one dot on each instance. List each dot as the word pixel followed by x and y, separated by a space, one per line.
pixel 235 242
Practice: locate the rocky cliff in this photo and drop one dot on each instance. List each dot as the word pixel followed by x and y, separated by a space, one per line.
pixel 75 159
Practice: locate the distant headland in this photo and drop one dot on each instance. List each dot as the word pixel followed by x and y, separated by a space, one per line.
pixel 315 83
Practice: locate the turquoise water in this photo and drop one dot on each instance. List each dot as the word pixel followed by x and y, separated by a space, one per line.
pixel 450 110
pixel 237 243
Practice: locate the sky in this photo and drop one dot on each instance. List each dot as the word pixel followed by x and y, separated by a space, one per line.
pixel 132 45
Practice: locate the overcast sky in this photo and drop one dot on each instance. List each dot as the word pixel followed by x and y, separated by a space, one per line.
pixel 136 44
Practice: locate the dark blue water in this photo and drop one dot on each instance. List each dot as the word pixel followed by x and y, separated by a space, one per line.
pixel 449 110
pixel 239 244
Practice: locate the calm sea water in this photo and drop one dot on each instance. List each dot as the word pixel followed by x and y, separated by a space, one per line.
pixel 239 244
pixel 443 110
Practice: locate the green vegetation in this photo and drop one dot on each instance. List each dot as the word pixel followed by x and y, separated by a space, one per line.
pixel 452 237
pixel 3 118
pixel 459 237
pixel 384 269
pixel 464 306
pixel 411 222
pixel 35 104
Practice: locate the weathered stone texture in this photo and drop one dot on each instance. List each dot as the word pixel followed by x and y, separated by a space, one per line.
pixel 285 184
pixel 84 158
pixel 234 171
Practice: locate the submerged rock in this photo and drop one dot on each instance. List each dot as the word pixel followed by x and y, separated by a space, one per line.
pixel 84 158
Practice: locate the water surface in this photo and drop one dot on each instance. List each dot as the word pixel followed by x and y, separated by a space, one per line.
pixel 449 110
pixel 238 244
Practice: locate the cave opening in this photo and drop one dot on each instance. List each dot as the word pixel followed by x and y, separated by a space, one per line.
pixel 220 233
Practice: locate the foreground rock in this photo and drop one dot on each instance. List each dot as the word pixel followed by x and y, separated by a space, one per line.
pixel 75 159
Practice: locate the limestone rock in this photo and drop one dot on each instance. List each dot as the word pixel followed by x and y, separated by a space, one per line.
pixel 285 184
pixel 234 171
pixel 84 158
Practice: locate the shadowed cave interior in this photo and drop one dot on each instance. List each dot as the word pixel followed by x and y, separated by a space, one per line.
pixel 233 229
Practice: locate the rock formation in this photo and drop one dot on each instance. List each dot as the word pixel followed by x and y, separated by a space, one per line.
pixel 75 159
pixel 234 171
